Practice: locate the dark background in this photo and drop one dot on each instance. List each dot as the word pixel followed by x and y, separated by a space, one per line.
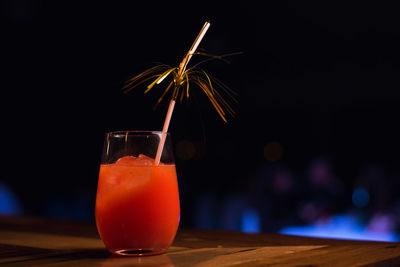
pixel 317 118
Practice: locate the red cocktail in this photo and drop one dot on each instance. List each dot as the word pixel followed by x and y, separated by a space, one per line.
pixel 137 204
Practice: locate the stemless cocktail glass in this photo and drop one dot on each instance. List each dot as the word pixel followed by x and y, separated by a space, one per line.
pixel 137 202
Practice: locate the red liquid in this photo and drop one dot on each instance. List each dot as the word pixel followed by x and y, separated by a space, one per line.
pixel 137 206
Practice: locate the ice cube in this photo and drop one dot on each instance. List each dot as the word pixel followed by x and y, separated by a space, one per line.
pixel 144 160
pixel 141 160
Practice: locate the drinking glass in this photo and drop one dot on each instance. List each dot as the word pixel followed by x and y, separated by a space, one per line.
pixel 137 202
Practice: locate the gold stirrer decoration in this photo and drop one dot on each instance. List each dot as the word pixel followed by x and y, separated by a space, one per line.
pixel 181 70
pixel 182 76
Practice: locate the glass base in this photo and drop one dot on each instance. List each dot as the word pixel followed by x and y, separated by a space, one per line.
pixel 137 252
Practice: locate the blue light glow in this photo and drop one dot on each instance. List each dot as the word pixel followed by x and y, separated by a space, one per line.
pixel 360 197
pixel 9 203
pixel 250 221
pixel 340 226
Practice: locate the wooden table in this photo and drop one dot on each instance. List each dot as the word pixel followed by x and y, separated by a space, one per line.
pixel 43 242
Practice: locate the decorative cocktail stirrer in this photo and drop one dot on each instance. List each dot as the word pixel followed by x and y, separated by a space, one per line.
pixel 182 76
pixel 181 70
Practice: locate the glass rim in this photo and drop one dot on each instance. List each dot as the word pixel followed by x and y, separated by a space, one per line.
pixel 136 132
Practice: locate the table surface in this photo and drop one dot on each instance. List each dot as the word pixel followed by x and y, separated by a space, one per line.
pixel 26 241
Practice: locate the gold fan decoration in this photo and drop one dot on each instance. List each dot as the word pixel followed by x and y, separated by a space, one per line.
pixel 181 80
